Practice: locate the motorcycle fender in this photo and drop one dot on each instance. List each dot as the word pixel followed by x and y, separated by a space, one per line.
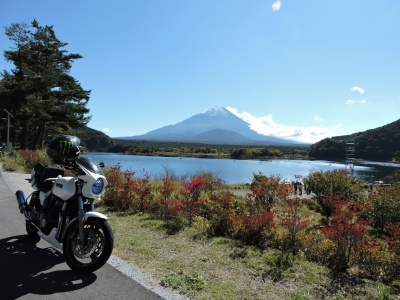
pixel 90 214
pixel 93 214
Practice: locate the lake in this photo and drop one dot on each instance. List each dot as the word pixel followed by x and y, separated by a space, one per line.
pixel 236 171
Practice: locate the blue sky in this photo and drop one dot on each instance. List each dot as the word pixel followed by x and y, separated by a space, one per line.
pixel 300 69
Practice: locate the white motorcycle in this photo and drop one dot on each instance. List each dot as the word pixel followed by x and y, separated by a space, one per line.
pixel 61 210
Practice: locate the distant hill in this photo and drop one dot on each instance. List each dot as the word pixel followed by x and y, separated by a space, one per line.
pixel 215 126
pixel 92 139
pixel 379 144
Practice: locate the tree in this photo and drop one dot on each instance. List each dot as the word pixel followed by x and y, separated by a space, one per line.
pixel 39 91
pixel 328 149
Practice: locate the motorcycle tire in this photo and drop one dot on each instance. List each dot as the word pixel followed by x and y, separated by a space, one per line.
pixel 97 248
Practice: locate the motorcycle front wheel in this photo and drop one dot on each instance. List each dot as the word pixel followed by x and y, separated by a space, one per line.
pixel 94 252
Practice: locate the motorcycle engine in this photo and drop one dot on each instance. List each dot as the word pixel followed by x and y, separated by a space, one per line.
pixel 49 217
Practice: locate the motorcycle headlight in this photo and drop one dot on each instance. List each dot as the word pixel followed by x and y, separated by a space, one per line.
pixel 98 186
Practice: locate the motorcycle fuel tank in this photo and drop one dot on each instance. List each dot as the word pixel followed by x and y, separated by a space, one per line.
pixel 64 187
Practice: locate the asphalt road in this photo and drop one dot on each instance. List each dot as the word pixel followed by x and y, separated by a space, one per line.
pixel 30 270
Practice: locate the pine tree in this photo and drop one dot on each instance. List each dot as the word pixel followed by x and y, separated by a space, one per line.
pixel 39 91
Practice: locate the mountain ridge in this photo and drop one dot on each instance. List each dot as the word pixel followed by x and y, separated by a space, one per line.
pixel 380 144
pixel 217 125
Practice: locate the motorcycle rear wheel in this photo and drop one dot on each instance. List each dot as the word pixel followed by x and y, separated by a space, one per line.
pixel 96 250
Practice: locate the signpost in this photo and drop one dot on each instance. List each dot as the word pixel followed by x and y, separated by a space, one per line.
pixel 8 129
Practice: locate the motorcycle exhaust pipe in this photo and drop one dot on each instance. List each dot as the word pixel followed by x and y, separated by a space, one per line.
pixel 21 200
pixel 22 205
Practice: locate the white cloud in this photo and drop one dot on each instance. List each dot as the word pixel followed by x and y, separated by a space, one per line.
pixel 318 119
pixel 267 126
pixel 352 102
pixel 358 89
pixel 276 6
pixel 107 130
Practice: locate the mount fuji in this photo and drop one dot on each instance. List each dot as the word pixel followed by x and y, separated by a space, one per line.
pixel 215 126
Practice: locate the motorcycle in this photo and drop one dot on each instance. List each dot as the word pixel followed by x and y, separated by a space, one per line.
pixel 61 211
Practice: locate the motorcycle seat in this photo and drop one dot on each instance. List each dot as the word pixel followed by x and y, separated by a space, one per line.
pixel 42 172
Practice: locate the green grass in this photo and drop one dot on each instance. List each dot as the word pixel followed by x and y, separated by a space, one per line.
pixel 10 164
pixel 22 161
pixel 220 268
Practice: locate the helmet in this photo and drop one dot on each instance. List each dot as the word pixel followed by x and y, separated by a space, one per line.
pixel 63 149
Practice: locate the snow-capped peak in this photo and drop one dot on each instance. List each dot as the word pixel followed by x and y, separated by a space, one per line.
pixel 216 110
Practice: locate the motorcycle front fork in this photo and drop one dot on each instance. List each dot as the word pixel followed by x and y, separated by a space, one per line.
pixel 81 216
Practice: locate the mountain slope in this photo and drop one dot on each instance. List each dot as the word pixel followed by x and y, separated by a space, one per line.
pixel 214 118
pixel 92 139
pixel 215 126
pixel 380 144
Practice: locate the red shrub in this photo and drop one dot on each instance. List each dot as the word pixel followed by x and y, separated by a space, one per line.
pixel 125 192
pixel 29 158
pixel 140 193
pixel 393 237
pixel 190 198
pixel 253 228
pixel 167 208
pixel 292 222
pixel 347 232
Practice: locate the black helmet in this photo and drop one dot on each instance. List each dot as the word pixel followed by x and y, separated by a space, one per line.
pixel 63 149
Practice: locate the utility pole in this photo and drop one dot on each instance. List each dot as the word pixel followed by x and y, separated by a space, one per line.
pixel 8 129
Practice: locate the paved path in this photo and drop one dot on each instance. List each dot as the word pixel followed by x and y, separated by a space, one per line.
pixel 35 271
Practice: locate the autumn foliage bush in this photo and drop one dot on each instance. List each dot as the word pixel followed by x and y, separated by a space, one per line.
pixel 270 216
pixel 347 232
pixel 380 264
pixel 315 246
pixel 220 209
pixel 382 208
pixel 140 191
pixel 266 191
pixel 293 222
pixel 336 183
pixel 118 195
pixel 254 228
pixel 393 237
pixel 29 158
pixel 191 198
pixel 165 206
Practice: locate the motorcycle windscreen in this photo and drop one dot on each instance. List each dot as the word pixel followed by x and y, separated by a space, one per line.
pixel 90 164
